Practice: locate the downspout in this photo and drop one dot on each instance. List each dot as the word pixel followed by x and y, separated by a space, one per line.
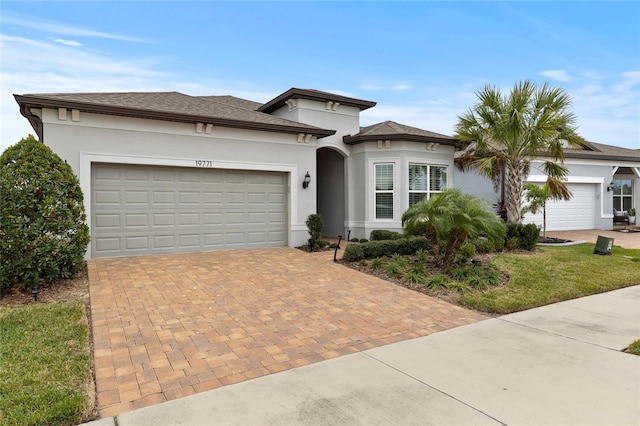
pixel 34 120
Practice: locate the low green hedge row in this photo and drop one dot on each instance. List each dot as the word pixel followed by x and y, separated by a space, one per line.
pixel 373 249
pixel 383 235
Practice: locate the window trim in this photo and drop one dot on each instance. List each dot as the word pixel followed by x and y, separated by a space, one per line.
pixel 429 193
pixel 619 183
pixel 373 192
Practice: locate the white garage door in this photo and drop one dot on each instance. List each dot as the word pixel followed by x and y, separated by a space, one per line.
pixel 153 209
pixel 575 214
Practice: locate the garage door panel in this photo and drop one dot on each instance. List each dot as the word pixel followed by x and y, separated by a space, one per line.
pixel 163 241
pixel 136 243
pixel 154 209
pixel 188 219
pixel 164 219
pixel 136 220
pixel 137 174
pixel 106 197
pixel 189 197
pixel 136 197
pixel 214 198
pixel 164 197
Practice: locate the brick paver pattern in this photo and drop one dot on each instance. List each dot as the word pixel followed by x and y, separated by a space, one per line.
pixel 167 326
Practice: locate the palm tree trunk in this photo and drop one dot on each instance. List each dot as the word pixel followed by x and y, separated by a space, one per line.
pixel 516 175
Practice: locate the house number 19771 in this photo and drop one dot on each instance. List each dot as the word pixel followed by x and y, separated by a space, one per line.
pixel 204 163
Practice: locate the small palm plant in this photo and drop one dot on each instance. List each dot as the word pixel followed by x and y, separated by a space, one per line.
pixel 450 218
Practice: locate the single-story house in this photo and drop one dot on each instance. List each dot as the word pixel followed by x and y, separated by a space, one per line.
pixel 168 172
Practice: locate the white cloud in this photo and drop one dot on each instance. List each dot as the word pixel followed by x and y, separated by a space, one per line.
pixel 65 29
pixel 66 42
pixel 375 87
pixel 558 75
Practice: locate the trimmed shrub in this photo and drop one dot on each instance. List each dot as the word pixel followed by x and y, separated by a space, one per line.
pixel 43 234
pixel 373 249
pixel 383 234
pixel 527 235
pixel 353 253
pixel 314 226
pixel 363 240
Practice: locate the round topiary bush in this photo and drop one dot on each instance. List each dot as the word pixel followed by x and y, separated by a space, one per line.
pixel 43 234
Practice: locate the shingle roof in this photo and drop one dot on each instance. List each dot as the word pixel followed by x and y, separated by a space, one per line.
pixel 592 150
pixel 599 150
pixel 233 101
pixel 173 106
pixel 390 130
pixel 314 95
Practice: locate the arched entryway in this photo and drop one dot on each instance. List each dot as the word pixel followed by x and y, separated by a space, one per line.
pixel 331 190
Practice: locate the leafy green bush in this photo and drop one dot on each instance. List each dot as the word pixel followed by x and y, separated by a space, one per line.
pixel 457 286
pixel 43 234
pixel 527 235
pixel 437 282
pixel 314 226
pixel 383 234
pixel 363 240
pixel 353 253
pixel 399 260
pixel 394 269
pixel 376 263
pixel 415 274
pixel 373 249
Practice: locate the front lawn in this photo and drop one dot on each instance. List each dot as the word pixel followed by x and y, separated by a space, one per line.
pixel 513 281
pixel 45 365
pixel 553 274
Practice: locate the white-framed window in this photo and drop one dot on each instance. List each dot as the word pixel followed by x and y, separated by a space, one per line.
pixel 384 190
pixel 425 180
pixel 622 194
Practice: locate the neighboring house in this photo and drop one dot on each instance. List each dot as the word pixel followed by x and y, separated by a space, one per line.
pixel 169 172
pixel 601 178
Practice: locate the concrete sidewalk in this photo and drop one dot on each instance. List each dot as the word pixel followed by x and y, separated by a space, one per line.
pixel 558 364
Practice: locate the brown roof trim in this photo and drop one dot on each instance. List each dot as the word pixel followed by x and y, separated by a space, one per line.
pixel 313 95
pixel 601 156
pixel 34 101
pixel 356 139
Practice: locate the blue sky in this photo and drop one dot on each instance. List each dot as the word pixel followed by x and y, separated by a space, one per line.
pixel 422 62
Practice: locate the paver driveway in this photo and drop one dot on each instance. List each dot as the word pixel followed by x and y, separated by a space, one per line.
pixel 167 326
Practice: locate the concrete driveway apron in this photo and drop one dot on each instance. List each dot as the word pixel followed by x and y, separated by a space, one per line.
pixel 167 326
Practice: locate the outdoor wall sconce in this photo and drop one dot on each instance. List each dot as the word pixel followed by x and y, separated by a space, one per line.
pixel 611 186
pixel 305 182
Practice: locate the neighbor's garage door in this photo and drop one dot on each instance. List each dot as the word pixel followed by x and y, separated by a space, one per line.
pixel 575 214
pixel 153 209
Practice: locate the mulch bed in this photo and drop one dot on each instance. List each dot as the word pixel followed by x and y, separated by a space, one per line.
pixel 51 292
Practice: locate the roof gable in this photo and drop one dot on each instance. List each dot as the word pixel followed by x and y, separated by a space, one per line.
pixel 390 130
pixel 314 95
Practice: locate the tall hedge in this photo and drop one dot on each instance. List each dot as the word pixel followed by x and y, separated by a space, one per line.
pixel 43 234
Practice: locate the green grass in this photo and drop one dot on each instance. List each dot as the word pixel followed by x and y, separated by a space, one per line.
pixel 45 368
pixel 554 275
pixel 634 348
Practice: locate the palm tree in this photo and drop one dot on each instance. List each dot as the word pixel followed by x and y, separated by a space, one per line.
pixel 537 197
pixel 509 132
pixel 450 218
